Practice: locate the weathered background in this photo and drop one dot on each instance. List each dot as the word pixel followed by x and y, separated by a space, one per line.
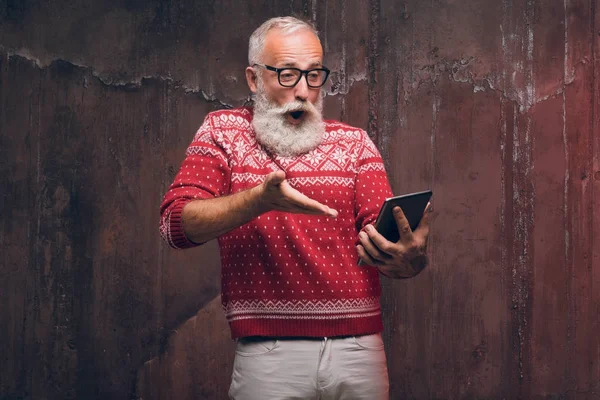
pixel 494 104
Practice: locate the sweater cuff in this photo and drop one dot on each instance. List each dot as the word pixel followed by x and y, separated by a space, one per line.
pixel 177 237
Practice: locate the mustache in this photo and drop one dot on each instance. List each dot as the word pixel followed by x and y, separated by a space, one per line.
pixel 292 106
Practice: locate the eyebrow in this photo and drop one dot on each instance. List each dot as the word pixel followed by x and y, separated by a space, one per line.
pixel 294 65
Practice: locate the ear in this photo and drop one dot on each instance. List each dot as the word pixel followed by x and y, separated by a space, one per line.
pixel 251 78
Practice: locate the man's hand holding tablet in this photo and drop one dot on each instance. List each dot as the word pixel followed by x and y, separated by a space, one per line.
pixel 397 243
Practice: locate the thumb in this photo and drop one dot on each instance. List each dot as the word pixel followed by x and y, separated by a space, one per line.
pixel 275 178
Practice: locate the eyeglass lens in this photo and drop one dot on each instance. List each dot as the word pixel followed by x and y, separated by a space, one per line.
pixel 291 76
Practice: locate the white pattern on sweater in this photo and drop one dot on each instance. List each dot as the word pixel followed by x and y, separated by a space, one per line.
pixel 287 274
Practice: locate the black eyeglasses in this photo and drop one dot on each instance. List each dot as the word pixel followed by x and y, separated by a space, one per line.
pixel 289 77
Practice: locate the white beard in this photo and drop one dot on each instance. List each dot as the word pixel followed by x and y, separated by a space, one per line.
pixel 277 135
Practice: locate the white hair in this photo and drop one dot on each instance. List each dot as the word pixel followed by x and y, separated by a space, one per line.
pixel 287 25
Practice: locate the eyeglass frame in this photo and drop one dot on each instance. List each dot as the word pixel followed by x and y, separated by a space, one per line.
pixel 302 72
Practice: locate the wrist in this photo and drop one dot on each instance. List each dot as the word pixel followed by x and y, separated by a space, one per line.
pixel 257 200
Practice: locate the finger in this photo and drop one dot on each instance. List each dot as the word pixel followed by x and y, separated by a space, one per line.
pixel 311 210
pixel 423 227
pixel 365 256
pixel 370 247
pixel 306 204
pixel 387 248
pixel 297 202
pixel 331 212
pixel 319 209
pixel 403 225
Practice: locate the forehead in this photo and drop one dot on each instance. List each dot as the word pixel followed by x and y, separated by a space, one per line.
pixel 292 49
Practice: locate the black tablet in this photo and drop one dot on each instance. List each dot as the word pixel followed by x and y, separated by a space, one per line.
pixel 413 205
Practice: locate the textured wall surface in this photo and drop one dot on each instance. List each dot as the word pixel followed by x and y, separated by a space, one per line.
pixel 494 104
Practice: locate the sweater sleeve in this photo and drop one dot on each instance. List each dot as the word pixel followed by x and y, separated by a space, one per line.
pixel 372 186
pixel 204 174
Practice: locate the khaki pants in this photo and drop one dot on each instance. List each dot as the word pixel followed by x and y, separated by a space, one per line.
pixel 349 368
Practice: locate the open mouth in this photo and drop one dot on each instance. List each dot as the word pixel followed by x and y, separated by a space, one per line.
pixel 297 114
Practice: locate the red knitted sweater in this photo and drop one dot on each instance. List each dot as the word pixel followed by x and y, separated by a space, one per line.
pixel 287 274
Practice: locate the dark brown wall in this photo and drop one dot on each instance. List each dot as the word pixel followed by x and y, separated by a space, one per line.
pixel 494 104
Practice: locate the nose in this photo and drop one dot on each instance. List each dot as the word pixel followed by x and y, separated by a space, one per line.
pixel 301 89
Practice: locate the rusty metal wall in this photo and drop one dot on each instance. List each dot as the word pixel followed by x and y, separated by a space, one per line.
pixel 494 104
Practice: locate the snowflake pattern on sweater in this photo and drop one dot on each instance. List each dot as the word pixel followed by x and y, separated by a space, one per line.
pixel 287 274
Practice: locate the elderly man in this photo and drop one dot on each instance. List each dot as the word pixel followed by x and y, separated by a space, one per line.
pixel 291 198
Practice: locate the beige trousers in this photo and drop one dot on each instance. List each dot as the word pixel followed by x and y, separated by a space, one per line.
pixel 349 368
